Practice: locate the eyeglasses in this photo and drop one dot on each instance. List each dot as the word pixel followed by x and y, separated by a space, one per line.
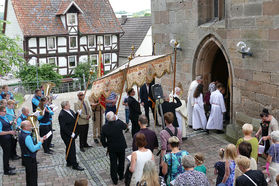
pixel 81 95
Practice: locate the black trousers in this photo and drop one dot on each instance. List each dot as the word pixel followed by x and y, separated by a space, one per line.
pixel 13 147
pixel 83 134
pixel 51 131
pixel 135 125
pixel 44 129
pixel 71 160
pixel 117 160
pixel 6 147
pixel 146 111
pixel 31 171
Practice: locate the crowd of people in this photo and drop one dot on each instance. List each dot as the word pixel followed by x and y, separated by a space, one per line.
pixel 237 164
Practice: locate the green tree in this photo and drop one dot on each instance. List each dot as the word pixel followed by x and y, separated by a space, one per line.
pixel 46 72
pixel 147 14
pixel 9 53
pixel 121 12
pixel 84 68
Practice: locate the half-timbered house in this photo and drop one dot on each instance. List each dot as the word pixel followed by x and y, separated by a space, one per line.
pixel 65 32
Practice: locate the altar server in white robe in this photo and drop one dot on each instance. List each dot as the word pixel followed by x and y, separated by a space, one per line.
pixel 180 112
pixel 190 99
pixel 215 120
pixel 199 119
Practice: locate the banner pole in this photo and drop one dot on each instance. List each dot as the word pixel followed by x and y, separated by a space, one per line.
pixel 71 140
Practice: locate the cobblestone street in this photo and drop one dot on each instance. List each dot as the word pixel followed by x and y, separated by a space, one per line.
pixel 53 171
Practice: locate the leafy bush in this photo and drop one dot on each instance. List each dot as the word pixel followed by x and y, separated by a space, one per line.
pixel 84 68
pixel 46 72
pixel 9 53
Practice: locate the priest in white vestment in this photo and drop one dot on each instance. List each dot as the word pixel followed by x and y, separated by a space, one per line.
pixel 180 112
pixel 199 118
pixel 190 99
pixel 215 120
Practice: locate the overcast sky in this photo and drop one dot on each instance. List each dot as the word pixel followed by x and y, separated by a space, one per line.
pixel 130 5
pixel 117 5
pixel 2 5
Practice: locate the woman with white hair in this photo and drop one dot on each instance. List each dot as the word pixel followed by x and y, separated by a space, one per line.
pixel 190 177
pixel 150 175
pixel 272 164
pixel 249 177
pixel 247 130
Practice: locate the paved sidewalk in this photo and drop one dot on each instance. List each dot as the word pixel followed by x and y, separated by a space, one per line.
pixel 53 171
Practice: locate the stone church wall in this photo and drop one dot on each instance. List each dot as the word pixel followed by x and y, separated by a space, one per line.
pixel 255 80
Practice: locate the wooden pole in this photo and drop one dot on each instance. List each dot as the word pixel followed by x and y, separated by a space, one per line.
pixel 125 76
pixel 123 84
pixel 174 72
pixel 68 149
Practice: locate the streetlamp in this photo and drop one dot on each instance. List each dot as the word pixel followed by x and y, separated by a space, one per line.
pixel 176 46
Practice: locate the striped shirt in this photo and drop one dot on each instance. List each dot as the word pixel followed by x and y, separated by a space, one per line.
pixel 164 136
pixel 111 97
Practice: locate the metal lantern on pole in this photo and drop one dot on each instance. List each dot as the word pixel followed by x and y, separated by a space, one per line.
pixel 176 46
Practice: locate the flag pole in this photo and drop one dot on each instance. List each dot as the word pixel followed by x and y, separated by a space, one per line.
pixel 68 149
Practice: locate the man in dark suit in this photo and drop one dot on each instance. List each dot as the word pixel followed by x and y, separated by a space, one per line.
pixel 112 137
pixel 134 108
pixel 147 100
pixel 170 107
pixel 67 119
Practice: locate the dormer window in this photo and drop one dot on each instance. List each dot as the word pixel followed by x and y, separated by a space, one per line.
pixel 72 19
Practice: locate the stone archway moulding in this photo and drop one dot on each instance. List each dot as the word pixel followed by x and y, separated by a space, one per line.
pixel 204 58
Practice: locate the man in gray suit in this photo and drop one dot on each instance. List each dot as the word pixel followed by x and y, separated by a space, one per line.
pixel 83 121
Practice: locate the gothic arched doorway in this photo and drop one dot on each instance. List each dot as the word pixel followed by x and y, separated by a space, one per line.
pixel 211 61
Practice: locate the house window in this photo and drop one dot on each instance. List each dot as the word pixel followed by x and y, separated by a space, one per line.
pixel 51 44
pixel 94 62
pixel 210 11
pixel 72 61
pixel 73 42
pixel 52 61
pixel 218 9
pixel 72 19
pixel 107 58
pixel 107 40
pixel 91 41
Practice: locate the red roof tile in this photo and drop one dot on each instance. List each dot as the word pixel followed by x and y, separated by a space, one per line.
pixel 39 17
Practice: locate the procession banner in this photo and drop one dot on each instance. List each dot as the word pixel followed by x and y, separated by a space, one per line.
pixel 141 70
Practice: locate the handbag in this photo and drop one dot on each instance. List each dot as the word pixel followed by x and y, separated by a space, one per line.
pixel 128 175
pixel 261 147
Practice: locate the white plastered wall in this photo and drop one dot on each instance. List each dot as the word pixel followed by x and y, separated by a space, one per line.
pixel 146 45
pixel 13 29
